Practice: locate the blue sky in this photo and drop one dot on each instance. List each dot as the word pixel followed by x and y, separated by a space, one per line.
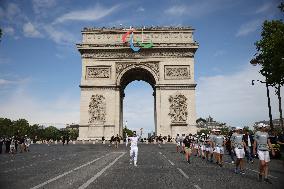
pixel 40 66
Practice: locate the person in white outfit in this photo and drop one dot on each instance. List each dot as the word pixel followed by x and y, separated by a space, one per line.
pixel 133 146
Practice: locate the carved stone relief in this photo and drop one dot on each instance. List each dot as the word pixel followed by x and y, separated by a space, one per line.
pixel 97 109
pixel 177 72
pixel 141 54
pixel 154 66
pixel 98 72
pixel 178 108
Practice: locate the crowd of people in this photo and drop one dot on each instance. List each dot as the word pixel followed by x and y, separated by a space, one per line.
pixel 239 144
pixel 11 144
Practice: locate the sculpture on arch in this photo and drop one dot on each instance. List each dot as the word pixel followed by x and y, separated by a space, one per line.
pixel 97 109
pixel 178 108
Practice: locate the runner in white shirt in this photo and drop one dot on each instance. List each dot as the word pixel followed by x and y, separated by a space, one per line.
pixel 262 144
pixel 133 146
pixel 178 142
pixel 239 145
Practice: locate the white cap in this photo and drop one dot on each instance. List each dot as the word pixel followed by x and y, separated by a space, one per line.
pixel 213 130
pixel 239 128
pixel 202 134
pixel 261 125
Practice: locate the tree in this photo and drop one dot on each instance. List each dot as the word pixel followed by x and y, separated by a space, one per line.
pixel 205 131
pixel 6 127
pixel 270 55
pixel 200 122
pixel 73 133
pixel 51 132
pixel 128 131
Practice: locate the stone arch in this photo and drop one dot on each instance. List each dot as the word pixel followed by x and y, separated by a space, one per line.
pixel 126 75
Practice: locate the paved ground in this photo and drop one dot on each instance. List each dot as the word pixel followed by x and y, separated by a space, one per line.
pixel 100 166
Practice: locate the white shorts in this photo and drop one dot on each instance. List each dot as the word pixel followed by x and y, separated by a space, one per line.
pixel 263 155
pixel 202 147
pixel 196 146
pixel 240 152
pixel 178 143
pixel 208 149
pixel 219 150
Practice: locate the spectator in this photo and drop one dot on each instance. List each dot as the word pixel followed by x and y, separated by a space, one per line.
pixel 248 138
pixel 1 143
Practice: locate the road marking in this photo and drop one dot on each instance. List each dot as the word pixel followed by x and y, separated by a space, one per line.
pixel 258 172
pixel 164 156
pixel 183 173
pixel 86 184
pixel 171 162
pixel 66 173
pixel 254 171
pixel 160 153
pixel 196 186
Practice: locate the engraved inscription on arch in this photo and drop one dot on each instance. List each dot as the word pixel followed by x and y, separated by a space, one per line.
pixel 93 72
pixel 177 72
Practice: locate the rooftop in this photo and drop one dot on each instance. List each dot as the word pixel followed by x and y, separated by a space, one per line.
pixel 147 28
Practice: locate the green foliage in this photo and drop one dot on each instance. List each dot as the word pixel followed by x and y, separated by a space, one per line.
pixel 270 51
pixel 205 131
pixel 74 134
pixel 52 133
pixel 36 132
pixel 128 131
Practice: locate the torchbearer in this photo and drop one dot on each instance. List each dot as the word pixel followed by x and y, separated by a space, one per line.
pixel 133 146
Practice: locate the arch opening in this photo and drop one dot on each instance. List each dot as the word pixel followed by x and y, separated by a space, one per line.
pixel 136 107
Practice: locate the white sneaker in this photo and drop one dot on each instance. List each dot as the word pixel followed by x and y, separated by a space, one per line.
pixel 130 163
pixel 135 164
pixel 233 162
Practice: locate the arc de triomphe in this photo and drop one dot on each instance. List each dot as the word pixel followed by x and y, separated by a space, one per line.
pixel 111 60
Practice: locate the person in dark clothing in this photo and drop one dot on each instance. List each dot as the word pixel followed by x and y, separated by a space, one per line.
pixel 248 139
pixel 7 143
pixel 63 140
pixel 187 148
pixel 229 148
pixel 1 144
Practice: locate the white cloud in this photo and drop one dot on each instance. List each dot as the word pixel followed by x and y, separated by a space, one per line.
pixel 248 28
pixel 40 5
pixel 140 9
pixel 177 10
pixel 198 8
pixel 219 53
pixel 12 10
pixel 264 8
pixel 8 30
pixel 92 14
pixel 23 104
pixel 30 30
pixel 60 36
pixel 232 98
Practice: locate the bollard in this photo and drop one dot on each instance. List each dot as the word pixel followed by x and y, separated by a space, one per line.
pixel 94 142
pixel 74 142
pixel 55 142
pixel 104 142
pixel 83 141
pixel 164 141
pixel 155 142
pixel 147 142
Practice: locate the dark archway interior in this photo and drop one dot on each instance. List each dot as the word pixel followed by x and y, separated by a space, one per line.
pixel 137 74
